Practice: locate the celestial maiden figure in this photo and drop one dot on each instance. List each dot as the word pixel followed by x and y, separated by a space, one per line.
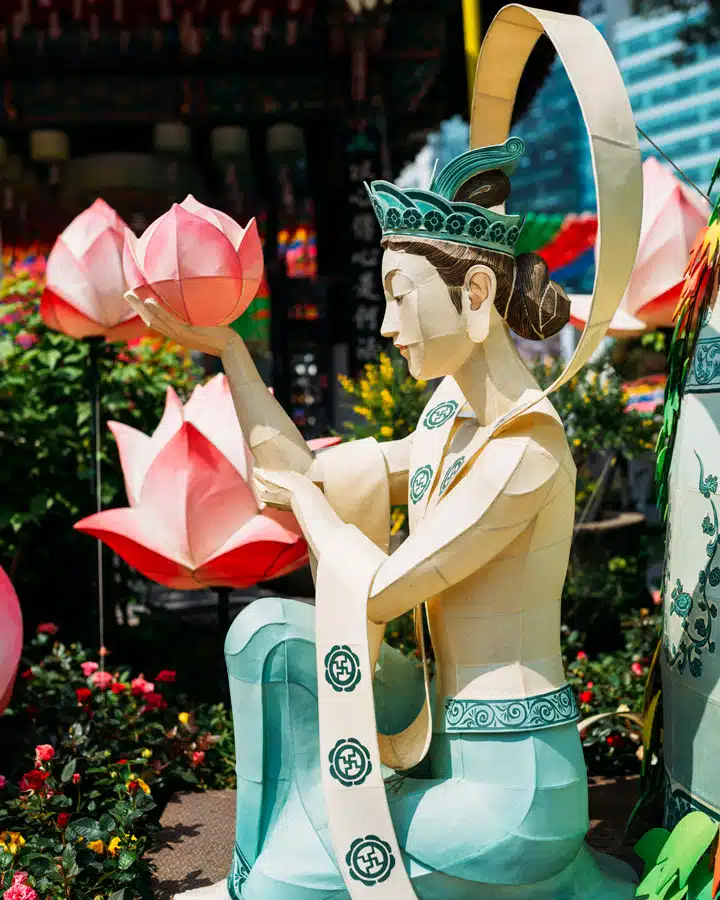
pixel 492 800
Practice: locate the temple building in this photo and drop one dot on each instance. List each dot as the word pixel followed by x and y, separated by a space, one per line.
pixel 278 109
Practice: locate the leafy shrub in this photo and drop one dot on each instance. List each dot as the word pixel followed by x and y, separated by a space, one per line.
pixel 99 754
pixel 45 443
pixel 611 683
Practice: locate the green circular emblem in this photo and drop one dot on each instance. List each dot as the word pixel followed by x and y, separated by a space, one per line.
pixel 451 473
pixel 350 762
pixel 342 669
pixel 439 414
pixel 420 482
pixel 370 860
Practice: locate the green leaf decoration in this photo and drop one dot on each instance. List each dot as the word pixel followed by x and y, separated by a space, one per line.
pixel 677 857
pixel 68 771
pixel 650 846
pixel 88 829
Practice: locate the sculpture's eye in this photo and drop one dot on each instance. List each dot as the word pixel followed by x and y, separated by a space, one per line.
pixel 401 286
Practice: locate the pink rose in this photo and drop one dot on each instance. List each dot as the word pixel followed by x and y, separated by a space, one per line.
pixel 102 680
pixel 20 889
pixel 637 669
pixel 197 758
pixel 140 686
pixel 43 753
pixel 88 668
pixel 3 782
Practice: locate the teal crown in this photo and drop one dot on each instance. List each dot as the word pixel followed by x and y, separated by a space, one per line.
pixel 434 214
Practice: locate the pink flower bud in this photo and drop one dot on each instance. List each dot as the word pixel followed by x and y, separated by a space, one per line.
pixel 196 262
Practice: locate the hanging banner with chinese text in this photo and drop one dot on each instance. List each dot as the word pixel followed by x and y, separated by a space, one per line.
pixel 365 295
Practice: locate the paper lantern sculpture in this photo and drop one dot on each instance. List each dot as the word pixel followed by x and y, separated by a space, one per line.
pixel 197 262
pixel 85 284
pixel 673 216
pixel 193 519
pixel 11 630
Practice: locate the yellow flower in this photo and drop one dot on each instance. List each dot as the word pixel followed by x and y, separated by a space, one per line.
pixel 184 717
pixel 387 400
pixel 146 754
pixel 386 367
pixel 112 847
pixel 386 431
pixel 143 786
pixel 96 846
pixel 11 841
pixel 363 411
pixel 576 442
pixel 347 384
pixel 397 520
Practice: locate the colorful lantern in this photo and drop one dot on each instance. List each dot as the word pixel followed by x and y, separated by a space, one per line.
pixel 193 519
pixel 197 262
pixel 85 284
pixel 11 630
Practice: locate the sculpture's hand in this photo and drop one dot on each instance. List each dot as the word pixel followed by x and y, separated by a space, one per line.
pixel 317 519
pixel 206 340
pixel 276 489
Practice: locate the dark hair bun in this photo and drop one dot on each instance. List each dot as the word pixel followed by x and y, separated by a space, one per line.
pixel 537 308
pixel 485 189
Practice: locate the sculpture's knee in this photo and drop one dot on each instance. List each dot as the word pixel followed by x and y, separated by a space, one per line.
pixel 270 639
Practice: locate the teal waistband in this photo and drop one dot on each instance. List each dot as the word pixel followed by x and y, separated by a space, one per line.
pixel 557 707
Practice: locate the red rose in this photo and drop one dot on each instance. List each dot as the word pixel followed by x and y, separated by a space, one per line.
pixel 586 696
pixel 44 753
pixel 118 687
pixel 28 675
pixel 637 669
pixel 32 711
pixel 83 694
pixel 62 821
pixel 167 676
pixel 155 700
pixel 581 655
pixel 614 740
pixel 76 778
pixel 121 762
pixel 33 780
pixel 133 787
pixel 47 628
pixel 197 758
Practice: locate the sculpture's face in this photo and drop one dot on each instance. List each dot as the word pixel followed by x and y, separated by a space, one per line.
pixel 420 317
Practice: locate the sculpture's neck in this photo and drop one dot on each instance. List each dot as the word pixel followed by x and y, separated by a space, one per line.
pixel 494 376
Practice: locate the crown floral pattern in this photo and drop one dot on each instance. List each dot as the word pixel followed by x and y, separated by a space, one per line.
pixel 433 213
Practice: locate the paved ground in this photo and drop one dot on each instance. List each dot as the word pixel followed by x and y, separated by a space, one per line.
pixel 198 833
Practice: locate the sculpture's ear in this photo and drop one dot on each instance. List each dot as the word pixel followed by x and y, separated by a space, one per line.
pixel 478 298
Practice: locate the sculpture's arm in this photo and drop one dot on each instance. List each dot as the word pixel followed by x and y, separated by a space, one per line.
pixel 397 461
pixel 512 479
pixel 271 434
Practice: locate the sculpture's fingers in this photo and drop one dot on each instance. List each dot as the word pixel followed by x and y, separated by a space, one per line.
pixel 139 306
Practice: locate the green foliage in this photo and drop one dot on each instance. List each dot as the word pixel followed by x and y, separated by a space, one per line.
pixel 611 683
pixel 93 758
pixel 679 864
pixel 45 442
pixel 387 398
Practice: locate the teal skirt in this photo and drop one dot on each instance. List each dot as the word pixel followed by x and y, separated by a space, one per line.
pixel 488 815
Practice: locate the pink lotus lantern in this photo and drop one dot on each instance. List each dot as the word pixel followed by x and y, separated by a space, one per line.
pixel 197 262
pixel 11 630
pixel 673 215
pixel 193 520
pixel 85 285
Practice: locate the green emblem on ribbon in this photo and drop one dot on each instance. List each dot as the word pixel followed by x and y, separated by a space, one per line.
pixel 370 860
pixel 350 762
pixel 450 474
pixel 439 414
pixel 342 669
pixel 420 482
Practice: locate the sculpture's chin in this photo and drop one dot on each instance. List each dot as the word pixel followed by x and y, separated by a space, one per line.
pixel 217 891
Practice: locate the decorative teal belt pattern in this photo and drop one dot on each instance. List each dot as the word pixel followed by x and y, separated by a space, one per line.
pixel 238 874
pixel 557 707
